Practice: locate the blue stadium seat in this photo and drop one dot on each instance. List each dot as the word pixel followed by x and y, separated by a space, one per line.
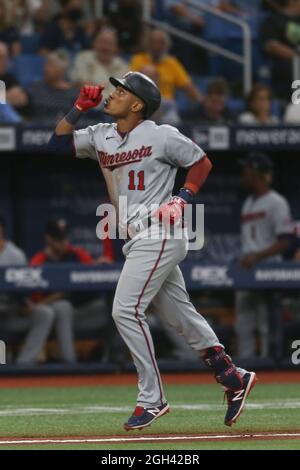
pixel 236 105
pixel 30 43
pixel 28 68
pixel 202 82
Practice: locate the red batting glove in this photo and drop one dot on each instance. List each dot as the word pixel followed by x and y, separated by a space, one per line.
pixel 170 212
pixel 89 97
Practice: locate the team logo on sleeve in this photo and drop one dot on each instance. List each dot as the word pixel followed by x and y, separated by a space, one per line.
pixel 123 158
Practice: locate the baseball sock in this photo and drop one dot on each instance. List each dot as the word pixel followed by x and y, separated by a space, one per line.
pixel 226 373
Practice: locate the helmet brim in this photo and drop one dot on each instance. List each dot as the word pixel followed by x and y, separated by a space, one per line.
pixel 122 82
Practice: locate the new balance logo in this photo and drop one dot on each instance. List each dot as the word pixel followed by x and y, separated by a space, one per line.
pixel 239 395
pixel 153 412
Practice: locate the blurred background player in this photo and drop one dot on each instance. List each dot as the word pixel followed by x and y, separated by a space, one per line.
pixel 266 228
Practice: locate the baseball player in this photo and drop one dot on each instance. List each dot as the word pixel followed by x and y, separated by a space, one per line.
pixel 266 230
pixel 139 160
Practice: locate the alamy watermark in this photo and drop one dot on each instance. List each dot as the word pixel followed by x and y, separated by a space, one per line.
pixel 2 352
pixel 2 92
pixel 296 93
pixel 296 353
pixel 139 220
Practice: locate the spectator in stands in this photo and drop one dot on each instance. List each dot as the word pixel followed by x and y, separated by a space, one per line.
pixel 8 33
pixel 259 104
pixel 96 66
pixel 214 108
pixel 172 76
pixel 28 15
pixel 15 95
pixel 65 31
pixel 126 17
pixel 281 38
pixel 266 228
pixel 52 96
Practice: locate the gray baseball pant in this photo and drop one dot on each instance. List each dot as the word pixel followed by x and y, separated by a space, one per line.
pixel 151 273
pixel 59 315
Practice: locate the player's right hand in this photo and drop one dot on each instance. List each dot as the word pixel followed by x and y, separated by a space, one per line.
pixel 89 97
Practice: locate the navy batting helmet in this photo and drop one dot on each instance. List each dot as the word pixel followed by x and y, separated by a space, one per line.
pixel 141 86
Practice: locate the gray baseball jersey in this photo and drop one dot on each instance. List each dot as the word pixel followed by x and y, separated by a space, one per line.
pixel 142 165
pixel 263 220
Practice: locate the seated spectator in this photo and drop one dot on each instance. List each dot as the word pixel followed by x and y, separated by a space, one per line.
pixel 214 108
pixel 50 98
pixel 54 309
pixel 126 17
pixel 259 103
pixel 172 76
pixel 8 33
pixel 29 14
pixel 292 114
pixel 65 31
pixel 96 66
pixel 15 95
pixel 281 38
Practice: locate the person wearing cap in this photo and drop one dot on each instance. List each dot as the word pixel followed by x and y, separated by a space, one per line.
pixel 139 161
pixel 53 309
pixel 266 227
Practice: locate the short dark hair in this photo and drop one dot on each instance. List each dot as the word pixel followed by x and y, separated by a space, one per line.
pixel 219 86
pixel 256 89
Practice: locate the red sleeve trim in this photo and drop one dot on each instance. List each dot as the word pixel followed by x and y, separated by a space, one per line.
pixel 38 259
pixel 84 256
pixel 198 174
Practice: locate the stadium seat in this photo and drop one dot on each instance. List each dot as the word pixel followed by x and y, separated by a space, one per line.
pixel 30 43
pixel 28 68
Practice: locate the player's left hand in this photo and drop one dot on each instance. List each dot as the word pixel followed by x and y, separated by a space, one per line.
pixel 248 261
pixel 170 212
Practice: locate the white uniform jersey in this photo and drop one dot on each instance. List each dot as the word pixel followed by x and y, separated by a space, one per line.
pixel 140 165
pixel 263 220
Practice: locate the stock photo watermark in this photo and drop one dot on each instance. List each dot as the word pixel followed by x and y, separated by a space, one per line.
pixel 141 220
pixel 2 92
pixel 296 93
pixel 2 352
pixel 296 354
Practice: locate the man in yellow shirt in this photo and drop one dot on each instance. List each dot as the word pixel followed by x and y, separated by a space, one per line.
pixel 171 73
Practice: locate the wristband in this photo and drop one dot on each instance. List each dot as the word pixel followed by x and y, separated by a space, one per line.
pixel 186 194
pixel 73 116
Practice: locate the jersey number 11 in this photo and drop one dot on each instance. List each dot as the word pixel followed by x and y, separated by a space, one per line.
pixel 132 180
